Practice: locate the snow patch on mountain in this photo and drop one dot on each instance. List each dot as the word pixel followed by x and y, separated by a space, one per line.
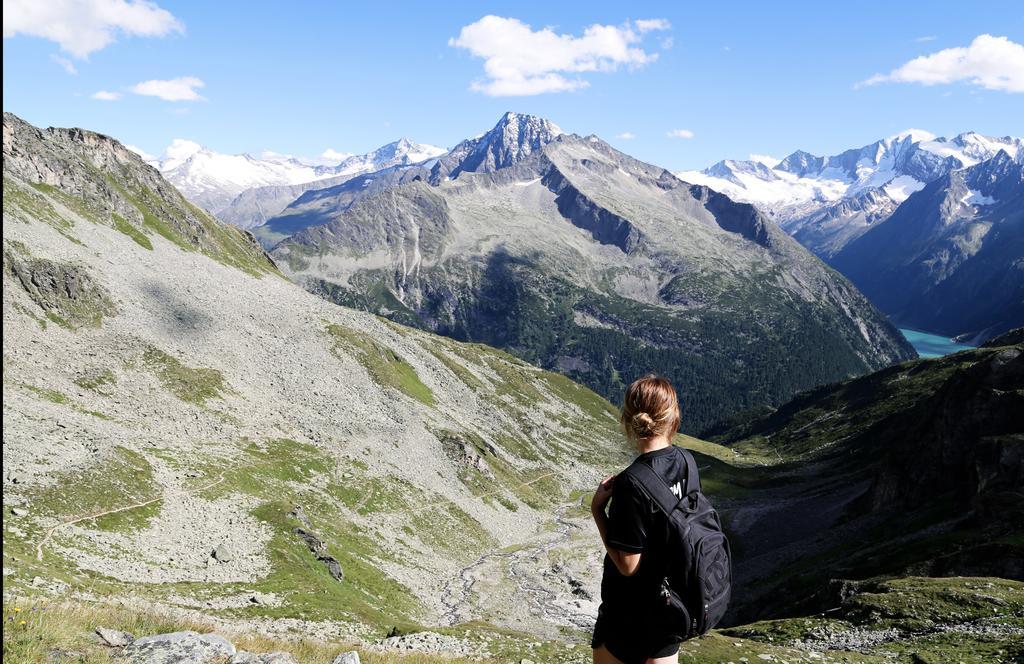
pixel 975 197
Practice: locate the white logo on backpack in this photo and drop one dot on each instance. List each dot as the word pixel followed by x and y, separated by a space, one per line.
pixel 677 490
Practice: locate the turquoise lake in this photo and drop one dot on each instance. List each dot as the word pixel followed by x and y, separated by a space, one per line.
pixel 931 345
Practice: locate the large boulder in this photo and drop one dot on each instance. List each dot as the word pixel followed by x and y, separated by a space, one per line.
pixel 179 648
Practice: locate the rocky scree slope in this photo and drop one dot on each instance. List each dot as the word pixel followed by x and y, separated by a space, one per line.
pixel 576 257
pixel 915 469
pixel 183 425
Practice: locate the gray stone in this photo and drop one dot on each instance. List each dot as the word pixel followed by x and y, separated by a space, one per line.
pixel 243 657
pixel 179 648
pixel 350 657
pixel 223 553
pixel 19 511
pixel 115 638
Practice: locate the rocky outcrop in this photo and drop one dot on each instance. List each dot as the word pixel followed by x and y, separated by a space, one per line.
pixel 515 137
pixel 740 218
pixel 959 441
pixel 603 225
pixel 316 546
pixel 66 293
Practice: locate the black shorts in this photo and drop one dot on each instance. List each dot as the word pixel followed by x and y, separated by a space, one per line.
pixel 630 644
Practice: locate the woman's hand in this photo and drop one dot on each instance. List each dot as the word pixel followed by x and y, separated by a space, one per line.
pixel 602 494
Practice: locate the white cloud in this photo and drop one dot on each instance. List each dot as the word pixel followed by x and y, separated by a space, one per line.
pixel 65 64
pixel 176 89
pixel 680 133
pixel 104 95
pixel 626 136
pixel 649 24
pixel 767 160
pixel 331 154
pixel 520 61
pixel 142 153
pixel 993 63
pixel 181 149
pixel 82 27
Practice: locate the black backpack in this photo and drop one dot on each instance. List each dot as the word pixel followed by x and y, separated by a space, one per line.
pixel 698 566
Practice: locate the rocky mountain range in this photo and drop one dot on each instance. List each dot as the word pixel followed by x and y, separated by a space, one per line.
pixel 949 259
pixel 579 258
pixel 192 442
pixel 826 202
pixel 246 190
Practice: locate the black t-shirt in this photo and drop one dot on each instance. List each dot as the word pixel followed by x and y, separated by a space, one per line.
pixel 636 525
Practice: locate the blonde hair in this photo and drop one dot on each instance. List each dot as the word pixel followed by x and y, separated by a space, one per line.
pixel 650 408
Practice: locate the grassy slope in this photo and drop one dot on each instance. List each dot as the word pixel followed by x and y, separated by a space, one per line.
pixel 912 620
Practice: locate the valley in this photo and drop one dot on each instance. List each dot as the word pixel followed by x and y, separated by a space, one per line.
pixel 940 217
pixel 192 441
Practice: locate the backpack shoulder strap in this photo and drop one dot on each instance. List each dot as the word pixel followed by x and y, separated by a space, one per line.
pixel 654 486
pixel 692 476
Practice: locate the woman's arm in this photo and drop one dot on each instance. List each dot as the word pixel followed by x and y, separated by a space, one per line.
pixel 626 563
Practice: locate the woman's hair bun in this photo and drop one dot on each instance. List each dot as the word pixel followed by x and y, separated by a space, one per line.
pixel 642 424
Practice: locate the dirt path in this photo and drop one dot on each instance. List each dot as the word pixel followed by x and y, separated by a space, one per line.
pixel 89 517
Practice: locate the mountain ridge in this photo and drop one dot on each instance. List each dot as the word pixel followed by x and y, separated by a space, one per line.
pixel 797 191
pixel 245 190
pixel 652 245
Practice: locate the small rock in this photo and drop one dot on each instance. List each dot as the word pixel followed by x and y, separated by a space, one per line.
pixel 223 553
pixel 350 657
pixel 525 661
pixel 19 511
pixel 114 638
pixel 259 598
pixel 243 657
pixel 179 648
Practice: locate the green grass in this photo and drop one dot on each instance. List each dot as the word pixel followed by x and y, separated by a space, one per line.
pixel 39 630
pixel 191 384
pixel 117 479
pixel 53 396
pixel 385 367
pixel 188 227
pixel 810 423
pixel 96 380
pixel 122 225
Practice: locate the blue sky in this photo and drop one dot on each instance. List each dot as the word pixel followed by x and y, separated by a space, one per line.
pixel 303 77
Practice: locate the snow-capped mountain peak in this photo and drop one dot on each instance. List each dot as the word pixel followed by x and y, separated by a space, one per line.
pixel 515 137
pixel 827 201
pixel 213 179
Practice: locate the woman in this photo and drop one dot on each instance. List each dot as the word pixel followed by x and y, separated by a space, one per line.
pixel 631 624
